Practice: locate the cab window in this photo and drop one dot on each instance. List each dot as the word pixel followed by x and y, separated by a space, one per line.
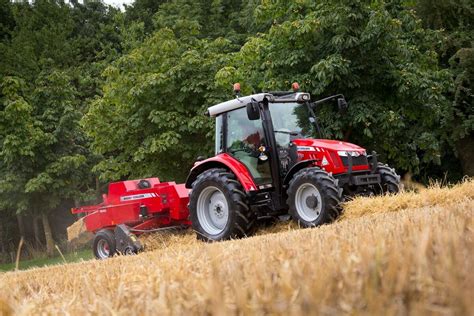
pixel 244 137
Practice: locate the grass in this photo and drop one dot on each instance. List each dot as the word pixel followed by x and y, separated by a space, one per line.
pixel 383 257
pixel 41 262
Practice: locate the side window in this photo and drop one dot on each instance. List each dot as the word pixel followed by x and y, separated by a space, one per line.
pixel 243 134
pixel 219 135
pixel 244 137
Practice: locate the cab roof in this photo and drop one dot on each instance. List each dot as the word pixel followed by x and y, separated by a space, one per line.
pixel 240 102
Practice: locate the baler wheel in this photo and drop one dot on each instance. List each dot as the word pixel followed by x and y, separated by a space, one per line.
pixel 313 197
pixel 218 207
pixel 104 244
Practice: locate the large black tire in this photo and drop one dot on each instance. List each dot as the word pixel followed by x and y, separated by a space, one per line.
pixel 218 207
pixel 389 180
pixel 313 197
pixel 104 244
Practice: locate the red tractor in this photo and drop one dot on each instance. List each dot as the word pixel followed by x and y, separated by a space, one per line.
pixel 267 165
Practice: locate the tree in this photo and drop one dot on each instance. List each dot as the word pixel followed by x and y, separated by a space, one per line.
pixel 150 120
pixel 378 56
pixel 44 153
pixel 454 21
pixel 20 136
pixel 50 68
pixel 7 21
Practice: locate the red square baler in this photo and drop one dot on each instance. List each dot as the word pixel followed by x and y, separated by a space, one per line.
pixel 133 207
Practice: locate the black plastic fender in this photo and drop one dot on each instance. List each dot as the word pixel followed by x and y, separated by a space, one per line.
pixel 297 167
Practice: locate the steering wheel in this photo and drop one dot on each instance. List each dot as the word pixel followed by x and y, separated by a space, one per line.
pixel 245 150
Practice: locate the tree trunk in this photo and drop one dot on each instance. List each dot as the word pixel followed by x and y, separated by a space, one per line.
pixel 21 225
pixel 97 189
pixel 48 235
pixel 465 148
pixel 36 229
pixel 2 244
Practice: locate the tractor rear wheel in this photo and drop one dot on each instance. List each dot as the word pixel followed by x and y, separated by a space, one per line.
pixel 313 197
pixel 104 244
pixel 389 180
pixel 218 207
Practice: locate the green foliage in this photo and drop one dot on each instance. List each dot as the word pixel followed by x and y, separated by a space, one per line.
pixel 454 22
pixel 52 57
pixel 376 57
pixel 87 90
pixel 378 54
pixel 149 121
pixel 44 154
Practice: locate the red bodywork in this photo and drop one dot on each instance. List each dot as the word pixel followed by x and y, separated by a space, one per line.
pixel 325 148
pixel 226 160
pixel 308 149
pixel 166 205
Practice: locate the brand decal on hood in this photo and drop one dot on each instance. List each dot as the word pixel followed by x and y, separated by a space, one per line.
pixel 305 148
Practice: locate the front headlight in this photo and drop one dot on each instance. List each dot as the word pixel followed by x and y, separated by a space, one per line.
pixel 343 153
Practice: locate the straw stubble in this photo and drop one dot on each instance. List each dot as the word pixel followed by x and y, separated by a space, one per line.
pixel 410 253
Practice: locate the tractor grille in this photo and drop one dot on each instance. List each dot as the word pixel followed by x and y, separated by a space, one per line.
pixel 356 161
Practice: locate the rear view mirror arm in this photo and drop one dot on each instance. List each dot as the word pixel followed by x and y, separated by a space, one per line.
pixel 329 99
pixel 315 121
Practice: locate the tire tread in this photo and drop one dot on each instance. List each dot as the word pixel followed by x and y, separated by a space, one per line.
pixel 242 215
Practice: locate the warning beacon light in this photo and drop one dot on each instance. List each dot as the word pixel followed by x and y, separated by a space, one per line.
pixel 237 89
pixel 295 86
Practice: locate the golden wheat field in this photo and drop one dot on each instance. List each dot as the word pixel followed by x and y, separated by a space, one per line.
pixel 405 254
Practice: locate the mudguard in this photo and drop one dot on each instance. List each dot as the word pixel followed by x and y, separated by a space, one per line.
pixel 225 161
pixel 297 167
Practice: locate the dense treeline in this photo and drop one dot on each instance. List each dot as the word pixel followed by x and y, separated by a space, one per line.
pixel 91 94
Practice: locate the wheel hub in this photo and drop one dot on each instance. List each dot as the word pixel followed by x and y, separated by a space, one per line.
pixel 308 202
pixel 312 201
pixel 218 210
pixel 212 210
pixel 103 249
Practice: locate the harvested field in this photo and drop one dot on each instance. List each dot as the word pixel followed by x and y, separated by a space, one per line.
pixel 410 253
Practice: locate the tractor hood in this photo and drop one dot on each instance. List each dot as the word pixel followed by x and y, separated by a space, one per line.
pixel 333 145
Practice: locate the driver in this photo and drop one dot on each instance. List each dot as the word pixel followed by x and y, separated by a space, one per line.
pixel 244 140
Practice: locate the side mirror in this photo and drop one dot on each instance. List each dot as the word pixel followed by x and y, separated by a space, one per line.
pixel 342 104
pixel 253 112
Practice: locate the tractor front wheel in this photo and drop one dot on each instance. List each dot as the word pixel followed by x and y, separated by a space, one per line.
pixel 389 180
pixel 104 244
pixel 218 207
pixel 313 197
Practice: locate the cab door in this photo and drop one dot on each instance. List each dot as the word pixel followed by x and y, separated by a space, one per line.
pixel 243 138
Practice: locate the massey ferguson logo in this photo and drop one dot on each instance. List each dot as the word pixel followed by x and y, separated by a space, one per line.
pixel 305 148
pixel 138 197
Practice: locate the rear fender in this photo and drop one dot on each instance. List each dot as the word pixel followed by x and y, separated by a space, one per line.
pixel 297 167
pixel 225 161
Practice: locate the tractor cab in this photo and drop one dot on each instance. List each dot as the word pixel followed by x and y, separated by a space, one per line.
pixel 261 134
pixel 264 147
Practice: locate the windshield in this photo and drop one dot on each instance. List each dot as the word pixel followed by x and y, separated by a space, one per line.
pixel 291 118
